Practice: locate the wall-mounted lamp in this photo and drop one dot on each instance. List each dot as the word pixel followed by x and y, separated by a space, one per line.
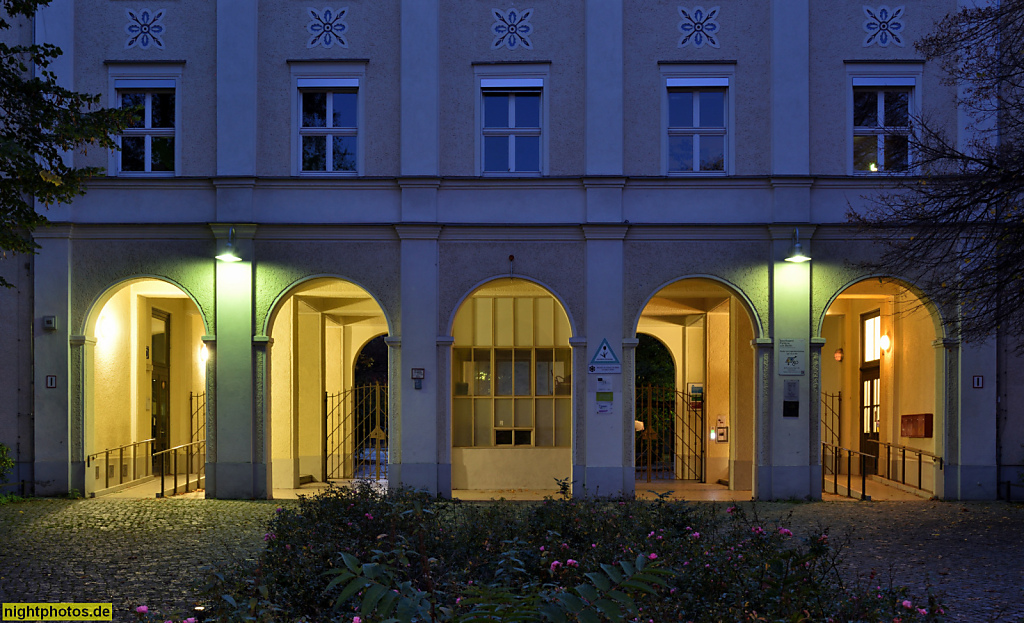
pixel 204 354
pixel 838 354
pixel 796 252
pixel 229 254
pixel 883 342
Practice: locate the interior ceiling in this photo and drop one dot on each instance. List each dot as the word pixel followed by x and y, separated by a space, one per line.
pixel 511 287
pixel 343 303
pixel 154 288
pixel 689 297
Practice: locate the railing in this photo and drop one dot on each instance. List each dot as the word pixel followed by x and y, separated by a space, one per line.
pixel 356 439
pixel 1009 484
pixel 831 407
pixel 197 416
pixel 889 447
pixel 671 443
pixel 832 458
pixel 194 452
pixel 121 471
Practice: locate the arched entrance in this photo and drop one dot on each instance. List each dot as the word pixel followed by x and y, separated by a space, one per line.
pixel 145 405
pixel 324 426
pixel 878 386
pixel 701 427
pixel 511 389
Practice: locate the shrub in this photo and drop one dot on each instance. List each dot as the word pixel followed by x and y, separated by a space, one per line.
pixel 358 554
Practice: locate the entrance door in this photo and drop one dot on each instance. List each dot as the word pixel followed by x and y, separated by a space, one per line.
pixel 161 402
pixel 870 388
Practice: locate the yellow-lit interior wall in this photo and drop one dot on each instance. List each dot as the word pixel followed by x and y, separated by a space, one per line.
pixel 283 450
pixel 914 359
pixel 310 360
pixel 113 412
pixel 741 426
pixel 717 406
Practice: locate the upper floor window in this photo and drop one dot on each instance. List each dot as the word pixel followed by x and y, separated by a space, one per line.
pixel 881 129
pixel 150 146
pixel 883 99
pixel 696 130
pixel 697 118
pixel 328 130
pixel 328 109
pixel 511 130
pixel 147 144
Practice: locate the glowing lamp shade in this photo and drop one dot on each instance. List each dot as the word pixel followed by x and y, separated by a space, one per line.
pixel 106 327
pixel 204 354
pixel 796 251
pixel 229 254
pixel 883 342
pixel 712 435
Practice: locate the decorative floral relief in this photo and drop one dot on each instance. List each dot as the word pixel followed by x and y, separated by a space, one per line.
pixel 883 25
pixel 327 27
pixel 512 29
pixel 698 27
pixel 144 29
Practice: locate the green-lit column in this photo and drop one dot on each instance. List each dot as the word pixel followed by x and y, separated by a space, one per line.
pixel 239 467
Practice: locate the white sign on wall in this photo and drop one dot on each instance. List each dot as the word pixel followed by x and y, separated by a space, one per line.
pixel 792 357
pixel 604 361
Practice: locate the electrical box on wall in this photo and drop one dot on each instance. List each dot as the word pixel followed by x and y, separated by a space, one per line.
pixel 49 323
pixel 916 425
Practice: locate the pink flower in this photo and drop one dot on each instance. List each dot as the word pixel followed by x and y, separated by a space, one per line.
pixel 730 509
pixel 189 620
pixel 572 563
pixel 555 565
pixel 922 611
pixel 357 620
pixel 653 556
pixel 270 536
pixel 785 532
pixel 695 535
pixel 757 530
pixel 368 516
pixel 907 604
pixel 142 609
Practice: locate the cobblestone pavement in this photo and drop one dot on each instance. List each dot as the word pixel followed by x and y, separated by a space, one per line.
pixel 133 552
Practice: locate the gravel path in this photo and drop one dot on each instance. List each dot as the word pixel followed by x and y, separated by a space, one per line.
pixel 133 552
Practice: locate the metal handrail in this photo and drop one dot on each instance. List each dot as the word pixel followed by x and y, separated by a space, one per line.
pixel 903 461
pixel 837 454
pixel 188 464
pixel 120 461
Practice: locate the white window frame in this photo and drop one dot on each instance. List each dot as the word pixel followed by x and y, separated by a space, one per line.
pixel 510 79
pixel 878 76
pixel 327 77
pixel 694 77
pixel 146 77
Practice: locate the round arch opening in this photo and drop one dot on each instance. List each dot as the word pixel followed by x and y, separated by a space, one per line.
pixel 146 395
pixel 326 422
pixel 879 383
pixel 697 422
pixel 511 393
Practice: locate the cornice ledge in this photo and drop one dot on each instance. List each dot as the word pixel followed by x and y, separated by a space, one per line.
pixel 611 231
pixel 419 182
pixel 420 231
pixel 797 181
pixel 234 181
pixel 611 181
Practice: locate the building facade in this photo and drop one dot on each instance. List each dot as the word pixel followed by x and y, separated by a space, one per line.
pixel 510 196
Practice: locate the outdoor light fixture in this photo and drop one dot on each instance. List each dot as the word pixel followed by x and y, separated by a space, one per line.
pixel 883 342
pixel 838 354
pixel 796 252
pixel 229 255
pixel 712 434
pixel 204 354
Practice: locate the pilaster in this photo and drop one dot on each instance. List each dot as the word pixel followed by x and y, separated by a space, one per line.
pixel 790 92
pixel 604 94
pixel 237 39
pixel 420 88
pixel 418 439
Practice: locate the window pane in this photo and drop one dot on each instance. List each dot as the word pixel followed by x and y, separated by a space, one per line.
pixel 897 108
pixel 503 414
pixel 712 153
pixel 162 151
pixel 527 153
pixel 344 154
pixel 712 109
pixel 503 372
pixel 523 437
pixel 865 108
pixel 314 153
pixel 482 422
pixel 314 110
pixel 135 100
pixel 495 153
pixel 527 110
pixel 482 360
pixel 344 113
pixel 865 153
pixel 133 153
pixel 680 153
pixel 545 372
pixel 496 111
pixel 462 422
pixel 896 153
pixel 680 109
pixel 522 372
pixel 163 110
pixel 503 438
